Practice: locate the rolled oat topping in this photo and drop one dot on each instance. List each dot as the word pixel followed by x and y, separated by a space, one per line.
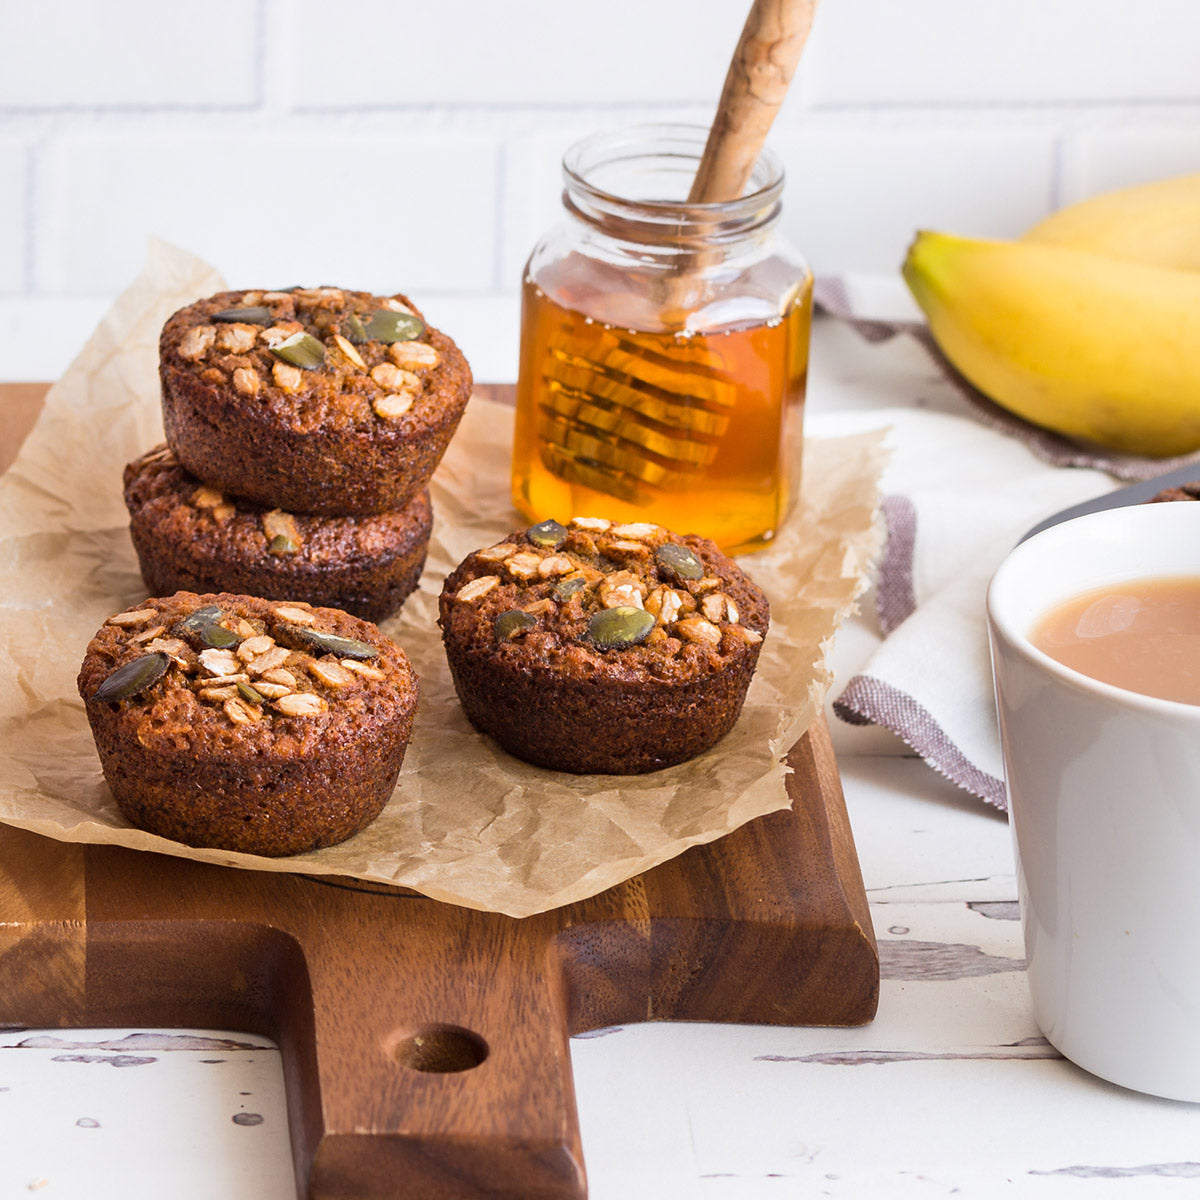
pixel 496 553
pixel 716 606
pixel 284 663
pixel 254 646
pixel 281 532
pixel 347 348
pixel 392 406
pixel 220 662
pixel 287 377
pixel 301 704
pixel 608 587
pixel 413 355
pixel 525 564
pixel 206 497
pixel 196 342
pixel 241 713
pixel 393 378
pixel 296 616
pixel 698 629
pixel 246 381
pixel 236 338
pixel 137 616
pixel 478 587
pixel 372 347
pixel 639 530
pixel 357 667
pixel 332 673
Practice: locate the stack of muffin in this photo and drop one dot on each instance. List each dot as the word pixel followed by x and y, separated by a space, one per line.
pixel 302 428
pixel 254 706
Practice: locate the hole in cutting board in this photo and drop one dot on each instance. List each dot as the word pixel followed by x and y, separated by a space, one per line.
pixel 440 1049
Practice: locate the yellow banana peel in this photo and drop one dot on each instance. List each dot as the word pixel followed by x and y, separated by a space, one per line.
pixel 1097 348
pixel 1156 223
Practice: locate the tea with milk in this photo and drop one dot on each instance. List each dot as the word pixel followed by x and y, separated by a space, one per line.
pixel 1142 635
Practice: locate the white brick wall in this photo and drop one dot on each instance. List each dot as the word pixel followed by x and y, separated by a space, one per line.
pixel 416 146
pixel 141 54
pixel 857 193
pixel 521 52
pixel 1102 159
pixel 373 209
pixel 1007 51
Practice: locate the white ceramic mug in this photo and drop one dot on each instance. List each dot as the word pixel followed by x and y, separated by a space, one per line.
pixel 1104 796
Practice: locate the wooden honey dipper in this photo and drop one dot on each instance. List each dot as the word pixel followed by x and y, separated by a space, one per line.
pixel 617 421
pixel 759 73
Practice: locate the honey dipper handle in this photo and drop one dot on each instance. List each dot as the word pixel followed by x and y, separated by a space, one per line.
pixel 759 73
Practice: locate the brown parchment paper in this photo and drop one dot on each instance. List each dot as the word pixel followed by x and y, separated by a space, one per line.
pixel 467 824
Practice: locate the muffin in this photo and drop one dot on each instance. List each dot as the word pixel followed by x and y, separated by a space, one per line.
pixel 602 648
pixel 247 724
pixel 189 537
pixel 1186 491
pixel 313 400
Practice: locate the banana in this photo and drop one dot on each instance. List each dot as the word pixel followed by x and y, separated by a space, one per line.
pixel 1155 223
pixel 1097 348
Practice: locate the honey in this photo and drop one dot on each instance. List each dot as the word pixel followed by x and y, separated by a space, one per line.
pixel 664 351
pixel 691 430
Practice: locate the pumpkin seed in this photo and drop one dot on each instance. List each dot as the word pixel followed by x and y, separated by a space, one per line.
pixel 509 624
pixel 195 621
pixel 204 626
pixel 218 637
pixel 250 694
pixel 384 325
pixel 332 643
pixel 133 677
pixel 301 350
pixel 282 544
pixel 354 329
pixel 255 314
pixel 566 588
pixel 547 534
pixel 620 627
pixel 679 561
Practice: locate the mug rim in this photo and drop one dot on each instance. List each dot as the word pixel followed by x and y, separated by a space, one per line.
pixel 1003 625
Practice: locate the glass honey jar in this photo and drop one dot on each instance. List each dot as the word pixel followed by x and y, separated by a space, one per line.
pixel 664 347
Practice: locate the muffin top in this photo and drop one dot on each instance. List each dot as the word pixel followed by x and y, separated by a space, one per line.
pixel 324 357
pixel 237 675
pixel 188 512
pixel 598 599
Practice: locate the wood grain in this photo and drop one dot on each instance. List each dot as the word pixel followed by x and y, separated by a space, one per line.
pixel 766 926
pixel 425 1047
pixel 760 71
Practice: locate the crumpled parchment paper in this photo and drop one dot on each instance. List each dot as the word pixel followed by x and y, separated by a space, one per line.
pixel 467 823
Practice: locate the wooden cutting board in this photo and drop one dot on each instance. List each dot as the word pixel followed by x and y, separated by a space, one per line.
pixel 425 1047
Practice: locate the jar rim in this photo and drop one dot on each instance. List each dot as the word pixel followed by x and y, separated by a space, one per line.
pixel 666 143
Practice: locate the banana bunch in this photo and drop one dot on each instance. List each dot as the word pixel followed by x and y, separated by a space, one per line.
pixel 1156 223
pixel 1089 324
